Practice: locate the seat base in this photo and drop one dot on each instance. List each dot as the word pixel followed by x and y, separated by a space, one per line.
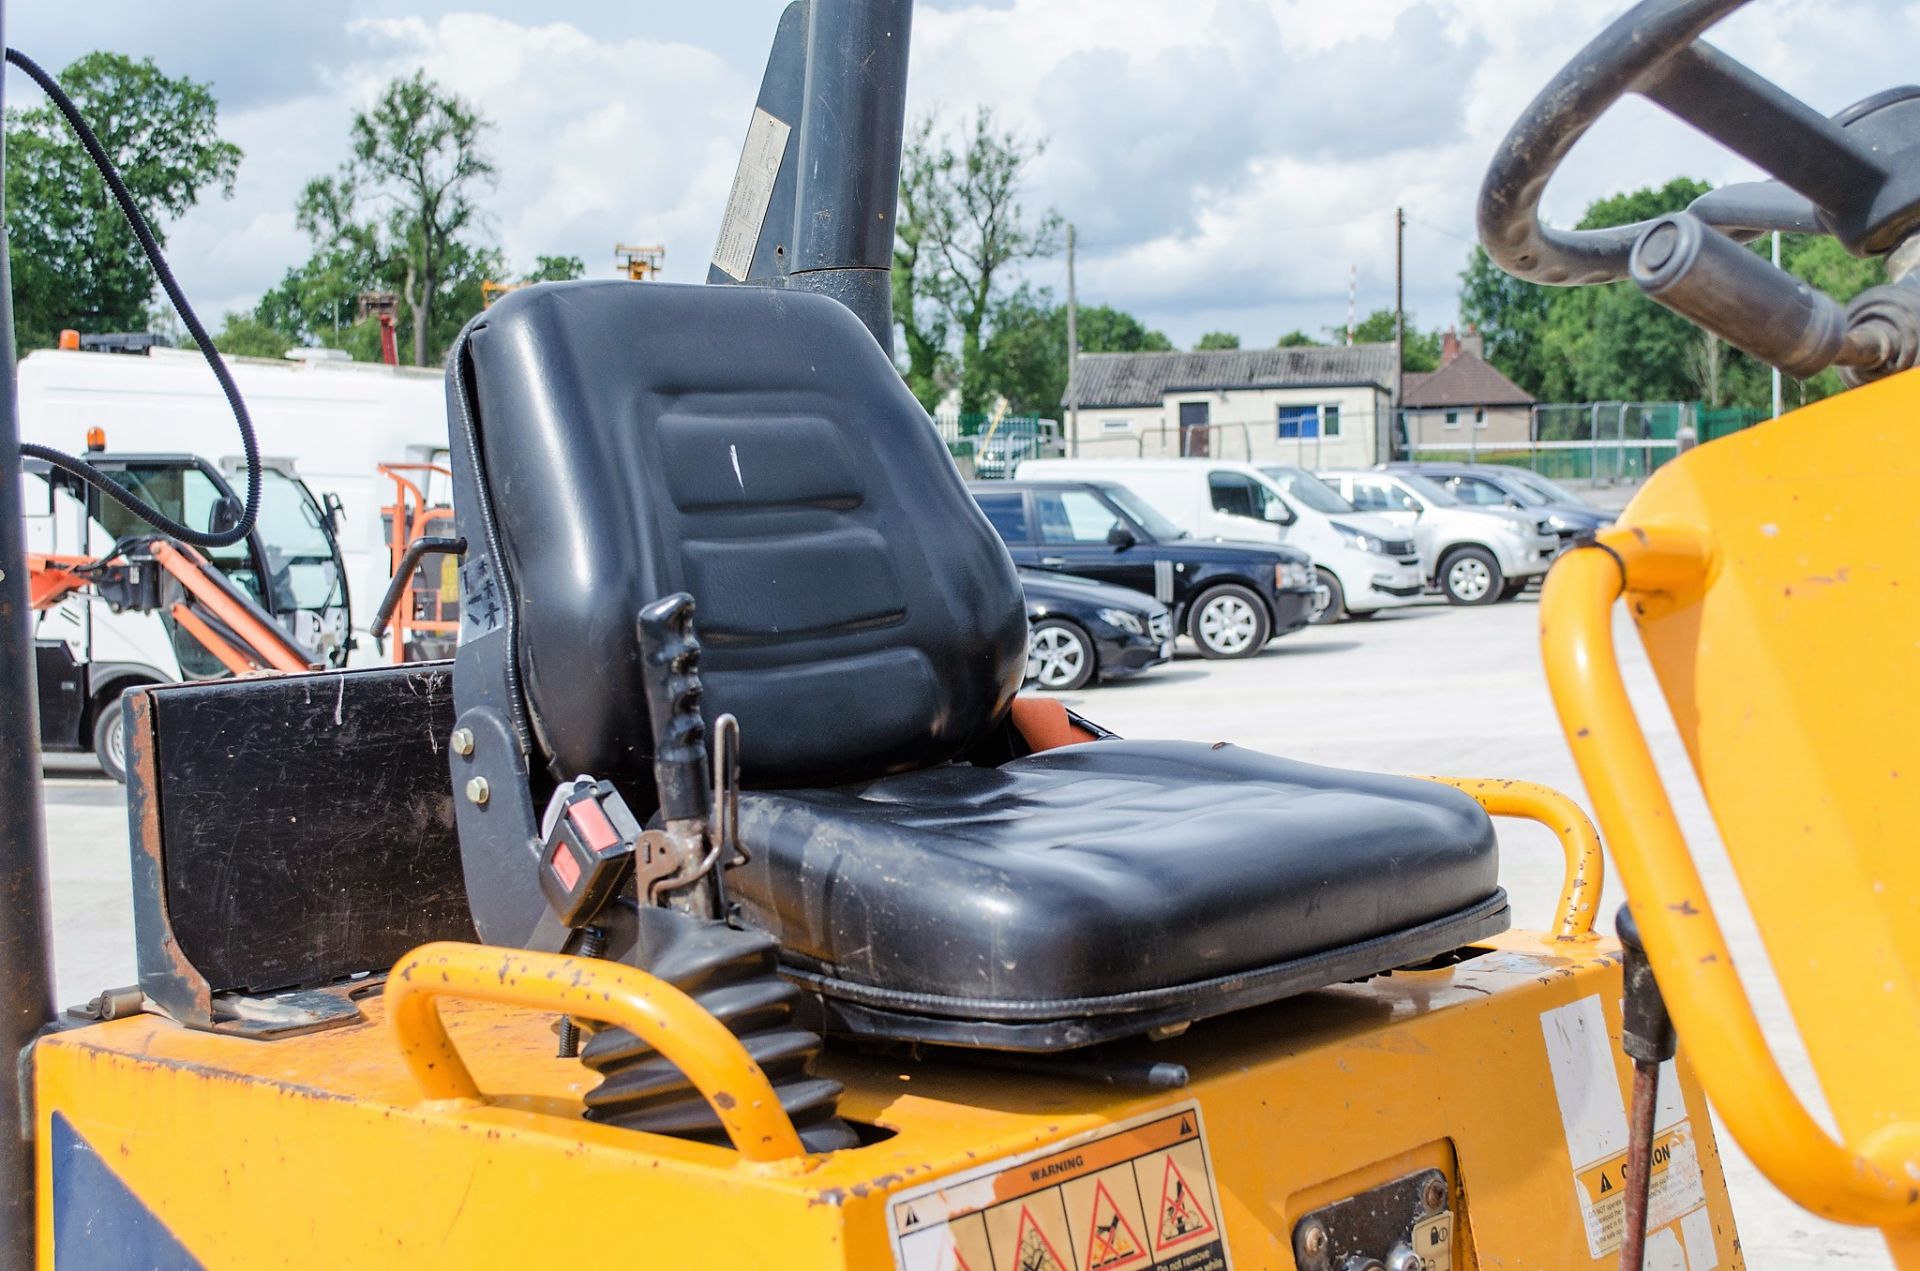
pixel 863 1011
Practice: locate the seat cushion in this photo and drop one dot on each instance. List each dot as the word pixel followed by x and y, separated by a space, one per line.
pixel 1112 878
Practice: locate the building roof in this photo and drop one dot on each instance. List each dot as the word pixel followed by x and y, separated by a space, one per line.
pixel 1144 379
pixel 1467 380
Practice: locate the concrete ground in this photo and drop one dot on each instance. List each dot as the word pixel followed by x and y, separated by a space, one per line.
pixel 1427 689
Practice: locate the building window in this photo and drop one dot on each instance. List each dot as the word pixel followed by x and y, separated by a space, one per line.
pixel 1480 417
pixel 1452 419
pixel 1309 421
pixel 1116 425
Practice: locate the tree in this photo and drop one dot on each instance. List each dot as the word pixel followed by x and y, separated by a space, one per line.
pixel 960 228
pixel 1025 358
pixel 1218 340
pixel 915 279
pixel 417 167
pixel 245 335
pixel 1298 340
pixel 1511 316
pixel 556 269
pixel 75 261
pixel 1420 350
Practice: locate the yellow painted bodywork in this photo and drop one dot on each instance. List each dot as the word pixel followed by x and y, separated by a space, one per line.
pixel 1773 579
pixel 323 1151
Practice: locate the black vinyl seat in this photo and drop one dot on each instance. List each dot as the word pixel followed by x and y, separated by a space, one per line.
pixel 926 877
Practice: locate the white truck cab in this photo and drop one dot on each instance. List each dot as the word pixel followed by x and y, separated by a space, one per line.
pixel 1365 564
pixel 1474 555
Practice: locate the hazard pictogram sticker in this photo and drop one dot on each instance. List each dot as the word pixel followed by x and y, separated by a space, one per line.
pixel 1032 1250
pixel 1182 1215
pixel 1112 1242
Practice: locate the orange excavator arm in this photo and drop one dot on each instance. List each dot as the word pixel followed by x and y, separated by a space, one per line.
pixel 242 635
pixel 52 578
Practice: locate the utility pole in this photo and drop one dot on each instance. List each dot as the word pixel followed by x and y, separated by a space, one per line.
pixel 1073 355
pixel 1399 321
pixel 1776 370
pixel 1353 299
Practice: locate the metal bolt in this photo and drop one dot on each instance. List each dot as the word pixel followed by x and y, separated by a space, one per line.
pixel 1435 1194
pixel 462 741
pixel 1313 1241
pixel 1403 1258
pixel 477 790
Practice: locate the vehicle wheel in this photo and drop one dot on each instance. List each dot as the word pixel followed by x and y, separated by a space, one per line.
pixel 110 738
pixel 1060 657
pixel 1471 576
pixel 1336 600
pixel 1229 621
pixel 1512 588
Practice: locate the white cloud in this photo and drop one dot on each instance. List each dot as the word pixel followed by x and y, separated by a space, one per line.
pixel 1226 161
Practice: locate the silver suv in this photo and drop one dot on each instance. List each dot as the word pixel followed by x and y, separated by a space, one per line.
pixel 1474 555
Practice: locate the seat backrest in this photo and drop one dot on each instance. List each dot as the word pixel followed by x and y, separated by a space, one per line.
pixel 756 449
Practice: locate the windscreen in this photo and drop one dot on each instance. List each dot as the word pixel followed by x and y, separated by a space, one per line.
pixel 299 553
pixel 1428 490
pixel 1143 514
pixel 1306 488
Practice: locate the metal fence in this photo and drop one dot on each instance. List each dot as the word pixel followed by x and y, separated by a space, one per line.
pixel 991 447
pixel 1601 442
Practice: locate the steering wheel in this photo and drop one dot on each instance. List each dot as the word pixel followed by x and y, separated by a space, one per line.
pixel 1855 176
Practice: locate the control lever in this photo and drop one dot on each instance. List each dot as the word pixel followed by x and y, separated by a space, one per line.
pixel 1647 1036
pixel 670 672
pixel 1712 281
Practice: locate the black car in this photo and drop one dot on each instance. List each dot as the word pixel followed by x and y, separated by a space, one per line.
pixel 1080 630
pixel 1230 597
pixel 1497 485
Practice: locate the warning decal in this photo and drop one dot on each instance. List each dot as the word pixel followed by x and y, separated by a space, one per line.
pixel 1593 1112
pixel 1181 1217
pixel 1138 1196
pixel 1113 1242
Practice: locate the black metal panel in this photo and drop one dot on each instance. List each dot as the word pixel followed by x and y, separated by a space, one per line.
pixel 63 696
pixel 306 824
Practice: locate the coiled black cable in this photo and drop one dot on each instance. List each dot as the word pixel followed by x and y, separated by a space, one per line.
pixel 80 468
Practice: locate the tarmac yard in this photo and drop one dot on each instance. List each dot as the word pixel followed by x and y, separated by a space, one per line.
pixel 1430 689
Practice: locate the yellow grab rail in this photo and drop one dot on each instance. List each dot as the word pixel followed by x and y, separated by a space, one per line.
pixel 1878 1186
pixel 1586 872
pixel 684 1033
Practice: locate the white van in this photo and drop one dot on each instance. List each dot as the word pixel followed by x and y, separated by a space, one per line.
pixel 332 421
pixel 1364 562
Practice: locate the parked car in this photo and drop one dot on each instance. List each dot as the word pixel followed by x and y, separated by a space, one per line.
pixel 1001 453
pixel 1473 555
pixel 1497 485
pixel 1231 598
pixel 1080 631
pixel 1364 563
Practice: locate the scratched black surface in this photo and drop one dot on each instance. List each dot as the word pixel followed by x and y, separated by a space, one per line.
pixel 307 823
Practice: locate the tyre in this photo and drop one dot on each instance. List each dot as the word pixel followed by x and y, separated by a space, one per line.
pixel 1229 621
pixel 1471 576
pixel 1512 588
pixel 1060 656
pixel 1336 601
pixel 110 738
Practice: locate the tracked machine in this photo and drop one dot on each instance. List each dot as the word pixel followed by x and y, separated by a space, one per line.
pixel 721 904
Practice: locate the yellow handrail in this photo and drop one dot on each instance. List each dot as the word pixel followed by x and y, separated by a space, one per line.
pixel 1586 872
pixel 1716 1022
pixel 689 1038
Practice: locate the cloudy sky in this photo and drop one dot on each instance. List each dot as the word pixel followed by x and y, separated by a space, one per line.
pixel 1226 161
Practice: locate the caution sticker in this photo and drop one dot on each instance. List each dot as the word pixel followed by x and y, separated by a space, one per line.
pixel 1593 1113
pixel 1138 1196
